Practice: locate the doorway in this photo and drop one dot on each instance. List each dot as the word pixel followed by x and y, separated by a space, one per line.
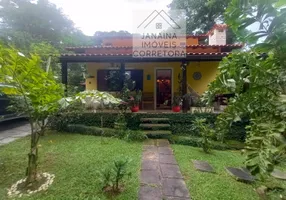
pixel 163 89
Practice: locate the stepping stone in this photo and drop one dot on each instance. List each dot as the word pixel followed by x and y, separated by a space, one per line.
pixel 239 174
pixel 150 142
pixel 203 166
pixel 175 198
pixel 150 177
pixel 165 150
pixel 150 148
pixel 175 188
pixel 150 155
pixel 170 171
pixel 167 159
pixel 149 165
pixel 278 174
pixel 163 143
pixel 150 193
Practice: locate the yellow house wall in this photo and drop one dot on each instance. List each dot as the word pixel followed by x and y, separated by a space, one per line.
pixel 207 69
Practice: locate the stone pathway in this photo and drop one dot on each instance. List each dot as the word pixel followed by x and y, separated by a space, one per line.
pixel 12 130
pixel 161 178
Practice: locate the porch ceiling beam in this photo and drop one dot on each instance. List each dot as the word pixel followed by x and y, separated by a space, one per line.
pixel 184 85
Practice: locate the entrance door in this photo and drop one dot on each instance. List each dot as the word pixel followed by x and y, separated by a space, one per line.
pixel 163 88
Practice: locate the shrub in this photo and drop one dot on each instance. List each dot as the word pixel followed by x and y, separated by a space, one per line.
pixel 206 132
pixel 91 130
pixel 111 177
pixel 131 135
pixel 181 123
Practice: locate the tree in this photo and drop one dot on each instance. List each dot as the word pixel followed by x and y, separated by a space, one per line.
pixel 202 15
pixel 41 20
pixel 258 82
pixel 37 96
pixel 41 28
pixel 99 35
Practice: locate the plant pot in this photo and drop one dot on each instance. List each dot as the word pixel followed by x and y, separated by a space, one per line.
pixel 176 108
pixel 202 109
pixel 134 108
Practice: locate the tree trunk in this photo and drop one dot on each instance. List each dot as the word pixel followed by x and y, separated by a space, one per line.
pixel 32 157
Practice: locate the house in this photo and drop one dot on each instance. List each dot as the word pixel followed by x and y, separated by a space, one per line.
pixel 158 77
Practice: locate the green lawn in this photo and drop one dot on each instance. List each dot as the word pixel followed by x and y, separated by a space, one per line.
pixel 74 159
pixel 218 186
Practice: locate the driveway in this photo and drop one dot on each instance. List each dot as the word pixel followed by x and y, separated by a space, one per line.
pixel 13 129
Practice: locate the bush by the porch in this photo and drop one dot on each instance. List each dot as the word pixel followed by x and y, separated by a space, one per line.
pixel 181 123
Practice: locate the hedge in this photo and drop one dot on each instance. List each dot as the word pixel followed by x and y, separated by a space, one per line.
pixel 196 142
pixel 91 130
pixel 181 123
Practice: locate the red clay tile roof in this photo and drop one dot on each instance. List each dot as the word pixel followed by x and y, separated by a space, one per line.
pixel 127 47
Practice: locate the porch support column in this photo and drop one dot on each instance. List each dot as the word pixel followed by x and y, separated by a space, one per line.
pixel 65 76
pixel 184 86
pixel 122 73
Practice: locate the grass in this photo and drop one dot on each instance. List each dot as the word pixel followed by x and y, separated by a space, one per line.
pixel 220 185
pixel 75 160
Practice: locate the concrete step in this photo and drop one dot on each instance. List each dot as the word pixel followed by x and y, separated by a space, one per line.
pixel 157 134
pixel 154 120
pixel 154 126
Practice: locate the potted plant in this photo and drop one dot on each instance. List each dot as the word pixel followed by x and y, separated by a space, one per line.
pixel 134 101
pixel 177 102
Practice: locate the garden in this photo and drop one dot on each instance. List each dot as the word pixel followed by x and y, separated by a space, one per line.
pixel 89 146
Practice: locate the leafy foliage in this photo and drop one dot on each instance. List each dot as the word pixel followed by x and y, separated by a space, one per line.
pixel 206 132
pixel 131 135
pixel 37 95
pixel 258 82
pixel 39 27
pixel 201 16
pixel 112 176
pixel 91 100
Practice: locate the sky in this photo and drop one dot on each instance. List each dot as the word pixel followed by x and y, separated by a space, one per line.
pixel 106 15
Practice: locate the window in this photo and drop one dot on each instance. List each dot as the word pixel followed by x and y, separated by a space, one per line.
pixel 109 80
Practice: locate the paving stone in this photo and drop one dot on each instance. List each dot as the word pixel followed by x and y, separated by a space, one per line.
pixel 150 177
pixel 20 135
pixel 150 155
pixel 175 188
pixel 6 140
pixel 163 143
pixel 170 171
pixel 165 150
pixel 150 148
pixel 150 193
pixel 149 165
pixel 150 142
pixel 239 174
pixel 279 174
pixel 175 198
pixel 203 166
pixel 167 159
